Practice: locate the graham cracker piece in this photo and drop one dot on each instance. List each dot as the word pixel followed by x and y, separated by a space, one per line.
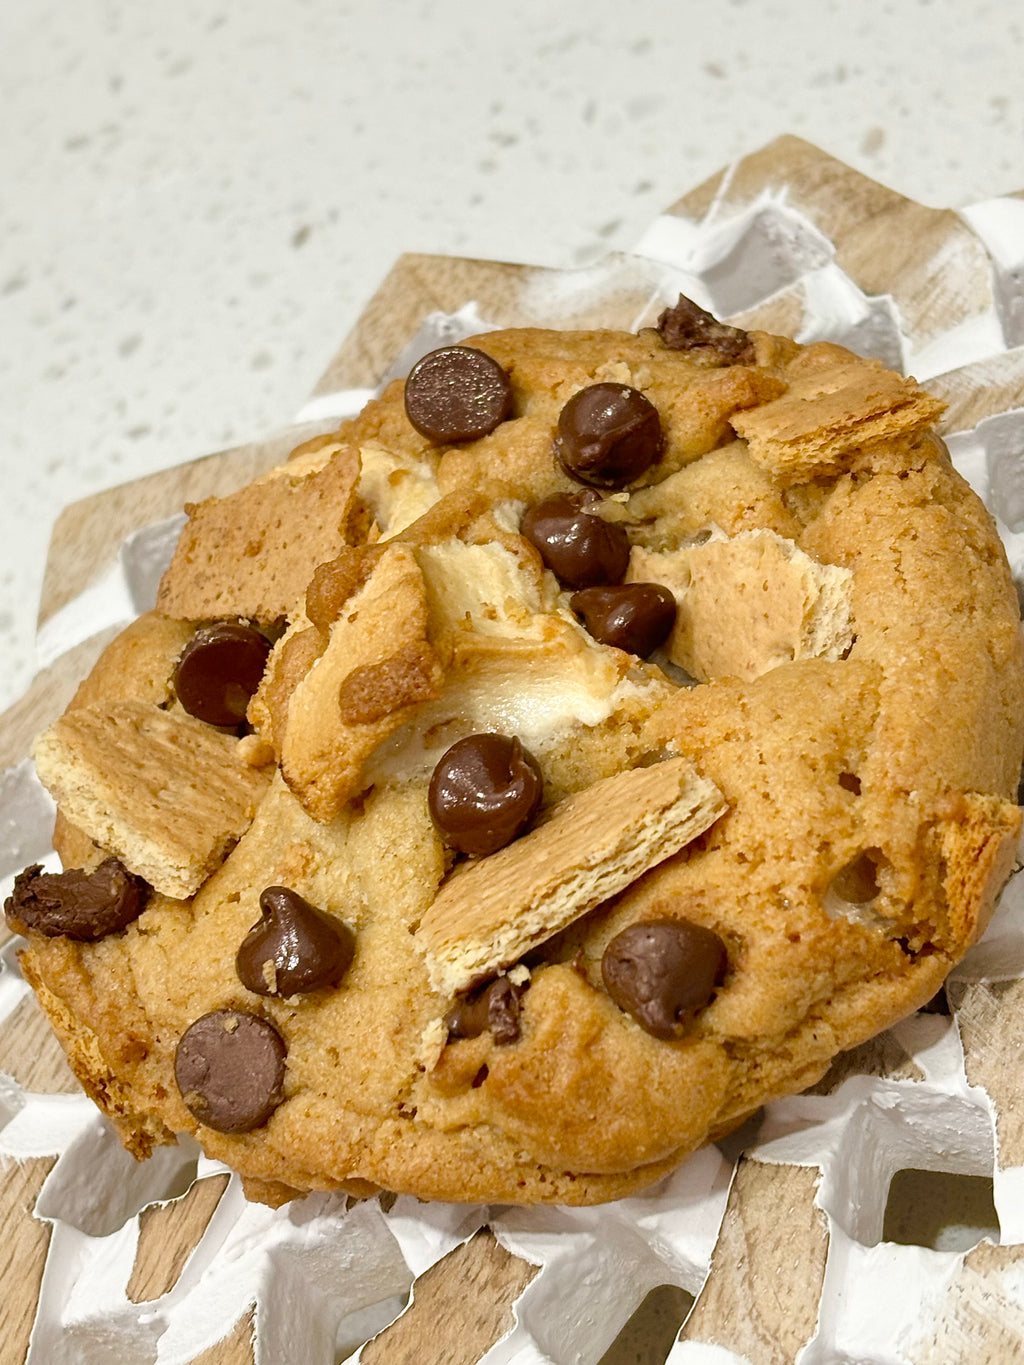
pixel 378 666
pixel 749 603
pixel 252 553
pixel 336 581
pixel 591 847
pixel 836 405
pixel 164 792
pixel 136 666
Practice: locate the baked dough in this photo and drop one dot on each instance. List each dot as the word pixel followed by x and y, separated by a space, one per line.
pixel 819 768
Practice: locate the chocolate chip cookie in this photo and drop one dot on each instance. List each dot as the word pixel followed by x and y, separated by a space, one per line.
pixel 523 784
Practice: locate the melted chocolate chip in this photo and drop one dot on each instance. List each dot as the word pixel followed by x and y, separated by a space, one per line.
pixel 686 327
pixel 608 435
pixel 230 1070
pixel 484 791
pixel 76 904
pixel 494 1009
pixel 456 394
pixel 295 947
pixel 662 972
pixel 636 617
pixel 580 548
pixel 219 670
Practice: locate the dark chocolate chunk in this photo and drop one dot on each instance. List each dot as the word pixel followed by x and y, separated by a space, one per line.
pixel 636 617
pixel 76 904
pixel 662 972
pixel 494 1009
pixel 687 327
pixel 295 947
pixel 580 548
pixel 608 435
pixel 456 394
pixel 219 670
pixel 484 791
pixel 230 1070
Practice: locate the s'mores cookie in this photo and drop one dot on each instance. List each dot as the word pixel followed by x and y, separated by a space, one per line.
pixel 523 784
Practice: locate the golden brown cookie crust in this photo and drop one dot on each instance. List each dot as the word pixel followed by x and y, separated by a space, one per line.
pixel 867 780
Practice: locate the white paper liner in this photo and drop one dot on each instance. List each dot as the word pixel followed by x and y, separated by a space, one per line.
pixel 319 1274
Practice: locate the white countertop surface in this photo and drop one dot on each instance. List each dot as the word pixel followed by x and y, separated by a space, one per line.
pixel 197 199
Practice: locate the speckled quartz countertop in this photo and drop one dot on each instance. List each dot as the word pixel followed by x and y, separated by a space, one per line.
pixel 198 199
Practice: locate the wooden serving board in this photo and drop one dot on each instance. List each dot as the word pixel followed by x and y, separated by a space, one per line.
pixel 761 1299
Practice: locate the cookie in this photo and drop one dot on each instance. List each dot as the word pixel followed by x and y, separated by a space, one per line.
pixel 248 554
pixel 163 792
pixel 525 783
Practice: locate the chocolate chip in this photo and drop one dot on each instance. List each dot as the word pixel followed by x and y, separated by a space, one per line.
pixel 580 548
pixel 230 1070
pixel 662 972
pixel 495 1009
pixel 636 617
pixel 484 791
pixel 608 435
pixel 687 327
pixel 457 393
pixel 76 904
pixel 219 670
pixel 295 947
